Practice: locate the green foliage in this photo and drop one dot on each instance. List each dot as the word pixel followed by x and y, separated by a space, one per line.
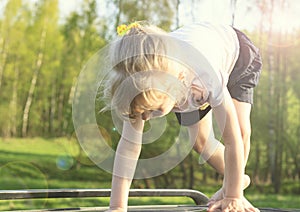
pixel 160 14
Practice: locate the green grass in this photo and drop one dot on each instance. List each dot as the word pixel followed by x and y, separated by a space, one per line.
pixel 58 163
pixel 275 201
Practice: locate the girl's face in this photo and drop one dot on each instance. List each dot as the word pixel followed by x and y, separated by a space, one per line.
pixel 158 107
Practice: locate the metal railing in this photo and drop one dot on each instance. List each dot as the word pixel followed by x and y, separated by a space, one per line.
pixel 198 197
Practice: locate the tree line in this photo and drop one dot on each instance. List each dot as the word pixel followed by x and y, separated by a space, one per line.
pixel 41 57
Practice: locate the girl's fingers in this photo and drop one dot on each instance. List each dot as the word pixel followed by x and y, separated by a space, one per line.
pixel 210 202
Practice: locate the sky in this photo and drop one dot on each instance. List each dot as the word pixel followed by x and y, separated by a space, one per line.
pixel 67 6
pixel 217 11
pixel 208 10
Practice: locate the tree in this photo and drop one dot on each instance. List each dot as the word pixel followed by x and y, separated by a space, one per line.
pixel 45 18
pixel 12 53
pixel 233 7
pixel 11 11
pixel 161 14
pixel 82 39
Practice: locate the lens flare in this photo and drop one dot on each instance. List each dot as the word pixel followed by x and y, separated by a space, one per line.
pixel 89 124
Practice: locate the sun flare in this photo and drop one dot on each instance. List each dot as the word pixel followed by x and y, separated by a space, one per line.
pixel 284 19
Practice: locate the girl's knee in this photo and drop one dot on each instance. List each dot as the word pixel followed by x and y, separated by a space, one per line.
pixel 246 134
pixel 200 143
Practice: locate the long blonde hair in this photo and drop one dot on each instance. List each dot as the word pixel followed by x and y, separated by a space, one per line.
pixel 140 50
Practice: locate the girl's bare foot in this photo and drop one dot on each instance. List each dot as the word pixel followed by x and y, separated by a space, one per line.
pixel 221 192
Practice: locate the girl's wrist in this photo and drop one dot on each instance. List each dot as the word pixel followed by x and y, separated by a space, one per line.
pixel 232 198
pixel 230 193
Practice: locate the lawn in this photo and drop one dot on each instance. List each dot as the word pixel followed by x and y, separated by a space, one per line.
pixel 58 163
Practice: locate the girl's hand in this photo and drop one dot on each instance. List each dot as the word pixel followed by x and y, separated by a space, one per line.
pixel 220 194
pixel 232 205
pixel 227 205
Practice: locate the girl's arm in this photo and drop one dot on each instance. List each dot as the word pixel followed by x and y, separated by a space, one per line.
pixel 126 158
pixel 234 151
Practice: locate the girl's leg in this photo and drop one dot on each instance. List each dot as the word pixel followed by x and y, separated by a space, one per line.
pixel 201 134
pixel 211 150
pixel 243 110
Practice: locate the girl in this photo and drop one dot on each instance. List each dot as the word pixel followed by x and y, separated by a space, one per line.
pixel 192 71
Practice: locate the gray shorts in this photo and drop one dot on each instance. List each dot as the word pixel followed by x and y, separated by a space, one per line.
pixel 242 80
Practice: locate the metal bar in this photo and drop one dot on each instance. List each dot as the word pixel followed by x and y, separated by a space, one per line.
pixel 198 197
pixel 154 208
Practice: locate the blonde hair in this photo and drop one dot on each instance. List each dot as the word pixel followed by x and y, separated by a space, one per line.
pixel 140 50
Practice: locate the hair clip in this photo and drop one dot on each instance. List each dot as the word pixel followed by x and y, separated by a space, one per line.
pixel 123 28
pixel 204 106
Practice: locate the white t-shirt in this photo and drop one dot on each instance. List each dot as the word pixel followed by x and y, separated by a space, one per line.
pixel 220 47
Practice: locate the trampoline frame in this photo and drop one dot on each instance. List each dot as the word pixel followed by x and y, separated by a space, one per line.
pixel 198 197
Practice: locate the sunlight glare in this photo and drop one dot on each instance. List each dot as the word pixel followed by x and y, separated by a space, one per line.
pixel 284 20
